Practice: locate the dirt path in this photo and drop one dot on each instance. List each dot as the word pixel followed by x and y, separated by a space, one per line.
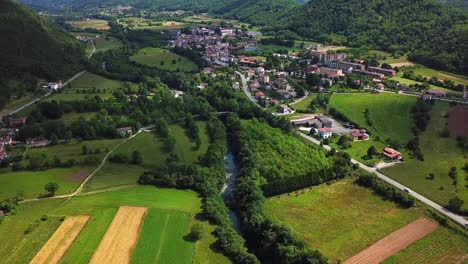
pixel 121 237
pixel 395 242
pixel 53 251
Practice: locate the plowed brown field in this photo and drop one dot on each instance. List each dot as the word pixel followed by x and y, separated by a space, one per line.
pixel 120 239
pixel 393 243
pixel 60 241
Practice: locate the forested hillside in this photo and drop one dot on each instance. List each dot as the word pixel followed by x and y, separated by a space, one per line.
pixel 434 34
pixel 32 48
pixel 233 8
pixel 456 3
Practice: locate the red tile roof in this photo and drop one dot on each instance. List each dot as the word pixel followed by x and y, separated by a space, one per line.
pixel 391 153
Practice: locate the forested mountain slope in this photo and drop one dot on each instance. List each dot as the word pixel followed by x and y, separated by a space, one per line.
pixel 213 6
pixel 434 34
pixel 32 48
pixel 456 3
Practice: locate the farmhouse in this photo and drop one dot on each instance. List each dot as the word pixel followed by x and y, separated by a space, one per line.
pixel 37 143
pixel 16 122
pixel 124 131
pixel 325 132
pixel 330 73
pixel 437 93
pixel 54 86
pixel 359 135
pixel 236 85
pixel 5 141
pixel 284 109
pixel 386 72
pixel 259 95
pixel 391 154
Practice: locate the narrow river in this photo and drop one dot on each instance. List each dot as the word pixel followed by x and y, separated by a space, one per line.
pixel 229 186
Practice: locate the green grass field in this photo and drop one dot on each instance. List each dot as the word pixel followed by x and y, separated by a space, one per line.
pixel 90 23
pixel 107 43
pixel 340 219
pixel 428 72
pixel 402 80
pixel 163 59
pixel 304 104
pixel 151 148
pixel 69 118
pixel 359 149
pixel 101 207
pixel 32 182
pixel 162 238
pixel 74 150
pixel 83 86
pixel 138 23
pixel 440 154
pixel 390 113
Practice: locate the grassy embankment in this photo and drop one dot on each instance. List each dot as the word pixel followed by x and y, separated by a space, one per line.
pixel 163 59
pixel 389 114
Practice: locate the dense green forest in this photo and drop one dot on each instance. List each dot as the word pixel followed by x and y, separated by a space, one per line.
pixel 279 156
pixel 456 3
pixel 433 34
pixel 33 48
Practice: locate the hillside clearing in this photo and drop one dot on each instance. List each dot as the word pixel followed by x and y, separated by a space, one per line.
pixel 163 59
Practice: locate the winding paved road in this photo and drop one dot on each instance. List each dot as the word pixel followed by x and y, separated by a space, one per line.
pixel 456 218
pixel 245 88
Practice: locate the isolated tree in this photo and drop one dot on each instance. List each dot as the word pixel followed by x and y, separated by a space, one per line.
pixel 196 231
pixel 163 128
pixel 51 188
pixel 84 150
pixel 170 143
pixel 137 158
pixel 372 151
pixel 455 204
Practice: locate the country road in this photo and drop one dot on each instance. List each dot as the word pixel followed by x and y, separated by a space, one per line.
pixel 104 160
pixel 49 92
pixel 456 218
pixel 245 88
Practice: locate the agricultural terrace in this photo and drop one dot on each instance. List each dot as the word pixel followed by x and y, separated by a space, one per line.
pixel 32 183
pixel 149 24
pixel 343 218
pixel 164 60
pixel 88 85
pixel 178 206
pixel 90 23
pixel 389 114
pixel 152 149
pixel 440 155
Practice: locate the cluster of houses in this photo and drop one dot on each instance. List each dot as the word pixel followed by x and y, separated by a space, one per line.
pixel 8 132
pixel 262 81
pixel 334 65
pixel 87 38
pixel 217 51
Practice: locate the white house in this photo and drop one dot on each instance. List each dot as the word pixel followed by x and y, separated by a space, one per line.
pixel 284 109
pixel 325 132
